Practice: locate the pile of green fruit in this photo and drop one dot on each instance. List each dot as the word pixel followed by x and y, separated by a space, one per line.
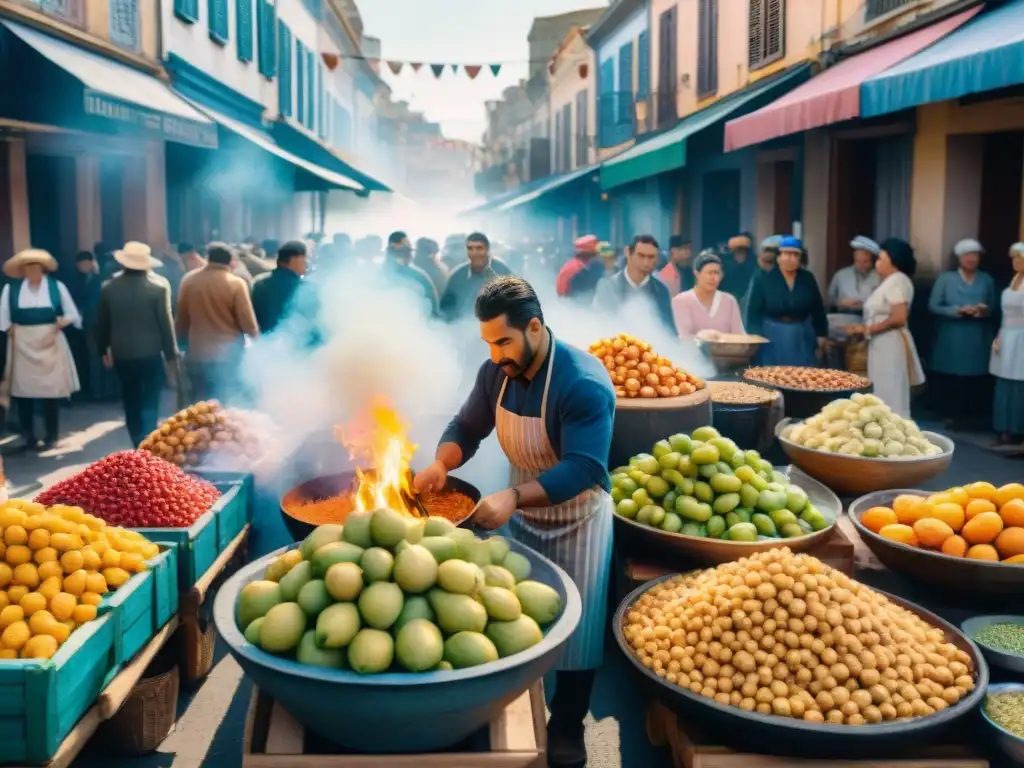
pixel 385 592
pixel 702 484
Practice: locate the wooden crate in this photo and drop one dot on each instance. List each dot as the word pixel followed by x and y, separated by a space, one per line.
pixel 516 738
pixel 837 551
pixel 692 749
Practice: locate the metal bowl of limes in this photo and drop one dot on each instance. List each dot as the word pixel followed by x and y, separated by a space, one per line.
pixel 636 538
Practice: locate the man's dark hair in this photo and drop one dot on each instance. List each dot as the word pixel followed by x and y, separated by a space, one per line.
pixel 395 238
pixel 184 248
pixel 478 237
pixel 83 256
pixel 290 250
pixel 509 296
pixel 426 247
pixel 643 240
pixel 219 253
pixel 679 241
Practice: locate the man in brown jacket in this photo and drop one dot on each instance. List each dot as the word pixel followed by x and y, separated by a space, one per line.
pixel 214 316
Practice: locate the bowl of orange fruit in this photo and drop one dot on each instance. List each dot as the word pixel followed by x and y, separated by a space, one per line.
pixel 966 538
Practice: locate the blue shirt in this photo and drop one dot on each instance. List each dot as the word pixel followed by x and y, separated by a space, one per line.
pixel 580 414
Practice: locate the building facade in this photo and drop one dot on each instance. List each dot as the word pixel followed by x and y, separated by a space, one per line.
pixel 573 103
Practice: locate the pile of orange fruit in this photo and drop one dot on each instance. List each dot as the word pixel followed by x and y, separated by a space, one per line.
pixel 977 521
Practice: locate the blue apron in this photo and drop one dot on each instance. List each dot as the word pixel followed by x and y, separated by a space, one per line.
pixel 792 343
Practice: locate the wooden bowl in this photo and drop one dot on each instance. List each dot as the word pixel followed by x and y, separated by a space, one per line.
pixel 804 403
pixel 788 736
pixel 980 581
pixel 632 537
pixel 730 354
pixel 855 475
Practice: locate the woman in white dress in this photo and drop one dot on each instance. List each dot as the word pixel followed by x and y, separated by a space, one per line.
pixel 1007 363
pixel 893 364
pixel 34 310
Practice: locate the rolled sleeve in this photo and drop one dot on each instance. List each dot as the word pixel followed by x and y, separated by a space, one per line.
pixel 586 420
pixel 475 419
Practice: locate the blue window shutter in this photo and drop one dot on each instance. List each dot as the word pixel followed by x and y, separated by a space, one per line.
pixel 643 66
pixel 218 20
pixel 268 45
pixel 625 94
pixel 321 105
pixel 606 102
pixel 284 70
pixel 243 22
pixel 300 82
pixel 187 10
pixel 124 23
pixel 310 91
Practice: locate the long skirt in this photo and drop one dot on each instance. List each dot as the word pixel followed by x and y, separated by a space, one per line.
pixel 791 344
pixel 1008 407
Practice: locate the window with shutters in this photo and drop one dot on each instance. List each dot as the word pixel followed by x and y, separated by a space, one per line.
pixel 124 23
pixel 218 20
pixel 643 66
pixel 766 32
pixel 606 102
pixel 668 63
pixel 268 44
pixel 243 22
pixel 310 91
pixel 300 82
pixel 71 11
pixel 624 110
pixel 876 8
pixel 582 127
pixel 558 143
pixel 707 47
pixel 567 138
pixel 321 105
pixel 187 10
pixel 284 70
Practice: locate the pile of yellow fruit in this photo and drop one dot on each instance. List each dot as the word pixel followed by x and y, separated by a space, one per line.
pixel 56 563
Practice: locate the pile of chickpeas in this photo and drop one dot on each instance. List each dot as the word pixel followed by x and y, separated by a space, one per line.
pixel 786 635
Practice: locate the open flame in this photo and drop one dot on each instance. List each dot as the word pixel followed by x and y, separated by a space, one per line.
pixel 378 439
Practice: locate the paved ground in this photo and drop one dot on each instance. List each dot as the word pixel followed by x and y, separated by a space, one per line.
pixel 209 731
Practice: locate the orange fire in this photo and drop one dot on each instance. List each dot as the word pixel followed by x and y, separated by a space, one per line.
pixel 378 439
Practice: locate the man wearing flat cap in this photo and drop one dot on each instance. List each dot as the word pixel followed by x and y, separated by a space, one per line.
pixel 35 308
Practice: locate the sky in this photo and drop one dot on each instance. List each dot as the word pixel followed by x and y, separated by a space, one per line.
pixel 457 32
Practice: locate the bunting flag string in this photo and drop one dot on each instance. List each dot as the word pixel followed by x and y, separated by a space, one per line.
pixel 397 66
pixel 437 69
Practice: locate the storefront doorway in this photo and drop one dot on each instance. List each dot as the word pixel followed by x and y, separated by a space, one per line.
pixel 53 218
pixel 999 220
pixel 720 207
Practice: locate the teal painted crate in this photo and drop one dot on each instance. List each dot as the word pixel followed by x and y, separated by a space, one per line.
pixel 142 605
pixel 197 546
pixel 233 514
pixel 41 701
pixel 219 476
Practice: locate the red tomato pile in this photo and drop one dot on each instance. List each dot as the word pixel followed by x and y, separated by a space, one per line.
pixel 135 489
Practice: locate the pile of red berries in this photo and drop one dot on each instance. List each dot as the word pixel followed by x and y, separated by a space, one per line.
pixel 135 489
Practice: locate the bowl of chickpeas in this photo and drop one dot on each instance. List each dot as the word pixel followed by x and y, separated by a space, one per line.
pixel 783 654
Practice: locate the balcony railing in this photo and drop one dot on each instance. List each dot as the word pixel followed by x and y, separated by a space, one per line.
pixel 876 8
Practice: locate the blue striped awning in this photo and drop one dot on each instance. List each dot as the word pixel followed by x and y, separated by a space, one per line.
pixel 985 54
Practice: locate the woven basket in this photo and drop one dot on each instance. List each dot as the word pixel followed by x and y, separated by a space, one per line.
pixel 145 719
pixel 857 357
pixel 199 647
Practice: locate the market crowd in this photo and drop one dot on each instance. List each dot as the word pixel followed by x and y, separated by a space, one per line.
pixel 126 324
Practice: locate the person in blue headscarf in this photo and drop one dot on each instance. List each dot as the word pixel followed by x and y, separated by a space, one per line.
pixel 785 306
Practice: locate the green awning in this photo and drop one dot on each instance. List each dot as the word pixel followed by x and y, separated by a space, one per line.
pixel 667 151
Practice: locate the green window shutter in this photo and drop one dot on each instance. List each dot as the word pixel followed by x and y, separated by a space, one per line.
pixel 187 10
pixel 643 86
pixel 284 70
pixel 218 20
pixel 310 91
pixel 243 22
pixel 300 82
pixel 267 42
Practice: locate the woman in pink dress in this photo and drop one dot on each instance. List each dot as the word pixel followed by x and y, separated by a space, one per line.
pixel 704 307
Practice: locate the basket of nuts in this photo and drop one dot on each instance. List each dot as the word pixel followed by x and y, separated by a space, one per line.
pixel 807 390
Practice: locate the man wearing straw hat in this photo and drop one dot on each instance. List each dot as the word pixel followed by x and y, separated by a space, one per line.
pixel 34 310
pixel 135 333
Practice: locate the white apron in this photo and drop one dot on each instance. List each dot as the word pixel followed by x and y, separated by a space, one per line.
pixel 39 365
pixel 893 364
pixel 576 535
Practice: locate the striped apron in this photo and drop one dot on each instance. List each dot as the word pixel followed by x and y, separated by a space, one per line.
pixel 576 535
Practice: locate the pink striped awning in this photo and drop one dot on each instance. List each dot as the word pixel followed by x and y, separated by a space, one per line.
pixel 834 95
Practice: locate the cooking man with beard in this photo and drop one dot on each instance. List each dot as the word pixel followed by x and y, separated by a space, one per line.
pixel 553 407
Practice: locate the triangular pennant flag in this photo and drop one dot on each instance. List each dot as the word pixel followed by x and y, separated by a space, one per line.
pixel 416 66
pixel 495 69
pixel 472 70
pixel 374 64
pixel 395 67
pixel 437 69
pixel 455 68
